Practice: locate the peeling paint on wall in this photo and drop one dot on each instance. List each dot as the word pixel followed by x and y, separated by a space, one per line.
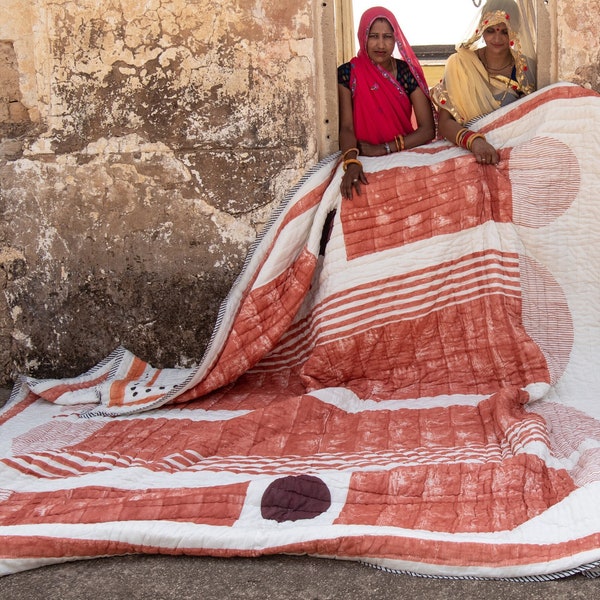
pixel 144 143
pixel 168 130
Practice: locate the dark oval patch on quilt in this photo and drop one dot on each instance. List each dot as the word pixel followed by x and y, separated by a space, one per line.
pixel 295 497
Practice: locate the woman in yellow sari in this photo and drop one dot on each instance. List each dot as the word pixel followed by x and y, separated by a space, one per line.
pixel 492 68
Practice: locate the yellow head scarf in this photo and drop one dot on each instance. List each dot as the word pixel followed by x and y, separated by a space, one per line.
pixel 467 91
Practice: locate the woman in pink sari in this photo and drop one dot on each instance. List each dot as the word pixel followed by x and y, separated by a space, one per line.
pixel 380 98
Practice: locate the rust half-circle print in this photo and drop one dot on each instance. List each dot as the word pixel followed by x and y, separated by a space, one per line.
pixel 546 178
pixel 547 317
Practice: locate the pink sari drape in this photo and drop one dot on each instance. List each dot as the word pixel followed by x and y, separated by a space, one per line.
pixel 381 106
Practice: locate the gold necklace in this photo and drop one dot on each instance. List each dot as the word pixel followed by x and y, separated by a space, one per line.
pixel 497 70
pixel 498 77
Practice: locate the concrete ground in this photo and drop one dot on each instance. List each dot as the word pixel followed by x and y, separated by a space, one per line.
pixel 272 578
pixel 145 577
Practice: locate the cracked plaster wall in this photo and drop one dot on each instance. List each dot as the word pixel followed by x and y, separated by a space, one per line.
pixel 143 145
pixel 578 42
pixel 155 138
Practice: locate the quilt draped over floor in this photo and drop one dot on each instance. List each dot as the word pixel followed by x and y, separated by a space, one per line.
pixel 409 379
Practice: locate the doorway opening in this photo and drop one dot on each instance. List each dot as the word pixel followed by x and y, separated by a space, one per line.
pixel 432 27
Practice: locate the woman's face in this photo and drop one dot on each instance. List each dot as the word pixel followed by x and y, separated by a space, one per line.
pixel 381 42
pixel 496 38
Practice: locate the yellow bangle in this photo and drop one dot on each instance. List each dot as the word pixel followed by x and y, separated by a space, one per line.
pixel 350 150
pixel 399 139
pixel 472 139
pixel 459 136
pixel 352 161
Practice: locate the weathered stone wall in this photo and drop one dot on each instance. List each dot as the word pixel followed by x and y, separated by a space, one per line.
pixel 578 42
pixel 143 146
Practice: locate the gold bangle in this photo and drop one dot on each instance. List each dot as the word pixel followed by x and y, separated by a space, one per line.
pixel 459 136
pixel 351 161
pixel 473 138
pixel 350 150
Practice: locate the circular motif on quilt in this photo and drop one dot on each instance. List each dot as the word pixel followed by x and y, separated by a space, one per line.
pixel 547 317
pixel 294 498
pixel 545 179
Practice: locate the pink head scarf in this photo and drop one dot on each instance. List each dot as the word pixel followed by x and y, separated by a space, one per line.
pixel 381 107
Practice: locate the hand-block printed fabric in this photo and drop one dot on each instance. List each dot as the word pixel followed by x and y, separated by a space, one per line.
pixel 407 379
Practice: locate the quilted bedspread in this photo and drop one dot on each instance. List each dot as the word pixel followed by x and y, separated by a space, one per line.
pixel 409 379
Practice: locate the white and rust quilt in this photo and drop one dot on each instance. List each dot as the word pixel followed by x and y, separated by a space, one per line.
pixel 409 379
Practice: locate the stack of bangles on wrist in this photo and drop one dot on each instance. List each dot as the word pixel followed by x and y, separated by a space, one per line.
pixel 399 141
pixel 351 161
pixel 465 138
